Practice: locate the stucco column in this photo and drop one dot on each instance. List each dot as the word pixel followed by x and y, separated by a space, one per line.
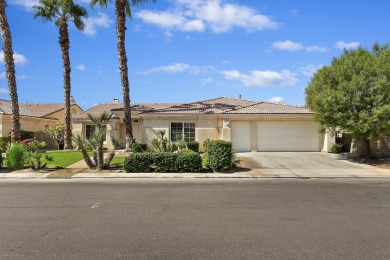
pixel 77 129
pixel 329 140
pixel 226 130
pixel 112 132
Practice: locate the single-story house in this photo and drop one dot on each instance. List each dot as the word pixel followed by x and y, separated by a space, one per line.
pixel 250 125
pixel 34 117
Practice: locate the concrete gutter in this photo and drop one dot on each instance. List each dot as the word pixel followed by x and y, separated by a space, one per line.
pixel 254 174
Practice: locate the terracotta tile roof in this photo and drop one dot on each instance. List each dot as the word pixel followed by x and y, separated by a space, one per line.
pixel 5 108
pixel 211 106
pixel 42 109
pixel 112 107
pixel 270 108
pixel 228 105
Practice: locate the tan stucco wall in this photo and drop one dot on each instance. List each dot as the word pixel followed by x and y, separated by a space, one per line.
pixel 26 123
pixel 60 115
pixel 205 128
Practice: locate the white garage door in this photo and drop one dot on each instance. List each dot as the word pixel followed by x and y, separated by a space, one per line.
pixel 241 136
pixel 288 137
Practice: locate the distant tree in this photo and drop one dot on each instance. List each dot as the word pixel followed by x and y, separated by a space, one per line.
pixel 62 12
pixel 10 72
pixel 353 94
pixel 122 9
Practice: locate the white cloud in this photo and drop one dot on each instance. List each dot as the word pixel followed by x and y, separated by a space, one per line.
pixel 18 58
pixel 310 69
pixel 315 48
pixel 347 45
pixel 26 4
pixel 180 68
pixel 296 46
pixel 265 78
pixel 4 91
pixel 81 67
pixel 287 46
pixel 276 99
pixel 199 15
pixel 91 23
pixel 226 62
pixel 207 80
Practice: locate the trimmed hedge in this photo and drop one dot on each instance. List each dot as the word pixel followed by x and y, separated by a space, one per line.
pixel 164 162
pixel 220 155
pixel 138 147
pixel 138 162
pixel 193 146
pixel 189 162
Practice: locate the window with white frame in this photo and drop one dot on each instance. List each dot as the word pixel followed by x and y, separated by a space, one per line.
pixel 186 129
pixel 90 129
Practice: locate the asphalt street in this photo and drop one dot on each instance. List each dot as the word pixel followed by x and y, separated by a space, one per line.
pixel 195 219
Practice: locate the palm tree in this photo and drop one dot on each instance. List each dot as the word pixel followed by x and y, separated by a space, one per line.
pixel 95 142
pixel 122 9
pixel 62 12
pixel 10 72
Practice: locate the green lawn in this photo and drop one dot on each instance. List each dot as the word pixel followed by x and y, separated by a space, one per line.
pixel 118 161
pixel 65 158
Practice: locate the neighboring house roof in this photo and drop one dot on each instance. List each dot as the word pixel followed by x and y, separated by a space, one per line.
pixel 228 105
pixel 42 109
pixel 32 109
pixel 5 108
pixel 112 107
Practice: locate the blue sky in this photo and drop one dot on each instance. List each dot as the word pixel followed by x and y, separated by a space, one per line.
pixel 190 50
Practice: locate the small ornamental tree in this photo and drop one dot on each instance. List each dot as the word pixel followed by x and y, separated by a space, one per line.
pixel 57 133
pixel 353 94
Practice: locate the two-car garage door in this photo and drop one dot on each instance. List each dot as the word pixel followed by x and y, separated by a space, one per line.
pixel 294 136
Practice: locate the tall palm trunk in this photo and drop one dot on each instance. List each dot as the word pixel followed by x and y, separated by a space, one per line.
pixel 65 45
pixel 10 72
pixel 121 31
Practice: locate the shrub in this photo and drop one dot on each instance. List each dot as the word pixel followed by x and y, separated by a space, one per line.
pixel 1 158
pixel 193 146
pixel 16 155
pixel 138 147
pixel 336 148
pixel 165 162
pixel 189 162
pixel 4 141
pixel 220 155
pixel 138 162
pixel 24 135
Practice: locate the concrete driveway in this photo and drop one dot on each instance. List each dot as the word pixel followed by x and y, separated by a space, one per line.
pixel 306 165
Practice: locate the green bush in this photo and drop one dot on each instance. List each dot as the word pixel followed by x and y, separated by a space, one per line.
pixel 138 147
pixel 220 155
pixel 16 155
pixel 25 135
pixel 336 148
pixel 1 158
pixel 138 162
pixel 193 146
pixel 164 162
pixel 189 162
pixel 4 141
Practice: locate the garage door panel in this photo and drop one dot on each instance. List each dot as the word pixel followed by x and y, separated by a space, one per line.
pixel 241 136
pixel 288 136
